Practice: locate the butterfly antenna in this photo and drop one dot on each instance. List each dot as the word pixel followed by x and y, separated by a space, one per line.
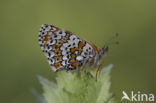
pixel 109 42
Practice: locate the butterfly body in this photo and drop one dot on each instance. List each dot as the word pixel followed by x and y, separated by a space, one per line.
pixel 66 51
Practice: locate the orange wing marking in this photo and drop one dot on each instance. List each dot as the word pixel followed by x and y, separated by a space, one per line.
pixel 80 46
pixel 58 66
pixel 45 40
pixel 71 60
pixel 76 64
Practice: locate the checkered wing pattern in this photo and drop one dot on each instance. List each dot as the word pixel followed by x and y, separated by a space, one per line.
pixel 64 50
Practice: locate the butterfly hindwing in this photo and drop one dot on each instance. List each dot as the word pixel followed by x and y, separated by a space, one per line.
pixel 63 49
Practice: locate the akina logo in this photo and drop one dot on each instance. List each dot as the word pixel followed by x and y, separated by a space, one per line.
pixel 137 97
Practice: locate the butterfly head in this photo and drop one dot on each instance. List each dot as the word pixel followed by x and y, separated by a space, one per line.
pixel 103 51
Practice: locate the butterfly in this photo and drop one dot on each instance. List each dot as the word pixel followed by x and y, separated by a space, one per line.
pixel 66 51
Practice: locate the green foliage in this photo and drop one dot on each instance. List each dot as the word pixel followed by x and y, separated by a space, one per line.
pixel 78 87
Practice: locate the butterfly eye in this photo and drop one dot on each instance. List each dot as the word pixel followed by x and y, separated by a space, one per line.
pixel 104 51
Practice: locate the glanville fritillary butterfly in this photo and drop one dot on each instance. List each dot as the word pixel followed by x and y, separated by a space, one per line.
pixel 66 51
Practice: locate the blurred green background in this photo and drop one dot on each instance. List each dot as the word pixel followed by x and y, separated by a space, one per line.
pixel 21 58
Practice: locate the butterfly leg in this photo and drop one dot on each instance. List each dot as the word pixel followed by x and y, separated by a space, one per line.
pixel 78 72
pixel 90 64
pixel 84 66
pixel 99 69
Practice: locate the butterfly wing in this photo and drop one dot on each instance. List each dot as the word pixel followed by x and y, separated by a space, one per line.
pixel 63 49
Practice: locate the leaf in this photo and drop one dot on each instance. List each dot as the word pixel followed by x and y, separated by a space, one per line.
pixel 74 87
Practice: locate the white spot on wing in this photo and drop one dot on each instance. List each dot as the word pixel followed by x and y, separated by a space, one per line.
pixel 79 58
pixel 56 36
pixel 63 33
pixel 65 44
pixel 53 68
pixel 64 53
pixel 72 37
pixel 63 63
pixel 65 58
pixel 52 54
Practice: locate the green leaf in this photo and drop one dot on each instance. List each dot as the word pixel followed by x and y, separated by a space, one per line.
pixel 78 87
